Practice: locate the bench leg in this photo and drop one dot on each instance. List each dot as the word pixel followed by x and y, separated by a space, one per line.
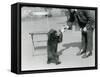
pixel 33 41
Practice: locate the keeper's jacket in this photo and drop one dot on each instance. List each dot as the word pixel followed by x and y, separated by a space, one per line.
pixel 86 17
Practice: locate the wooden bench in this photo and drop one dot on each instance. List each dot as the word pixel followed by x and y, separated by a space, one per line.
pixel 37 33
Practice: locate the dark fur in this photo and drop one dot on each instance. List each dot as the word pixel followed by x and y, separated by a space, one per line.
pixel 52 45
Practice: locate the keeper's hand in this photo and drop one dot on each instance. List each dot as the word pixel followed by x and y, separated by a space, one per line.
pixel 84 29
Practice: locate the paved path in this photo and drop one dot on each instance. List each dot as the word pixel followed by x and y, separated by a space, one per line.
pixel 67 49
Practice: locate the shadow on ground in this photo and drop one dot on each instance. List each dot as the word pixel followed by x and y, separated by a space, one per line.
pixel 68 45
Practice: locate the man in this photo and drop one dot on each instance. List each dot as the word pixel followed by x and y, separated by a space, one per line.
pixel 86 22
pixel 54 37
